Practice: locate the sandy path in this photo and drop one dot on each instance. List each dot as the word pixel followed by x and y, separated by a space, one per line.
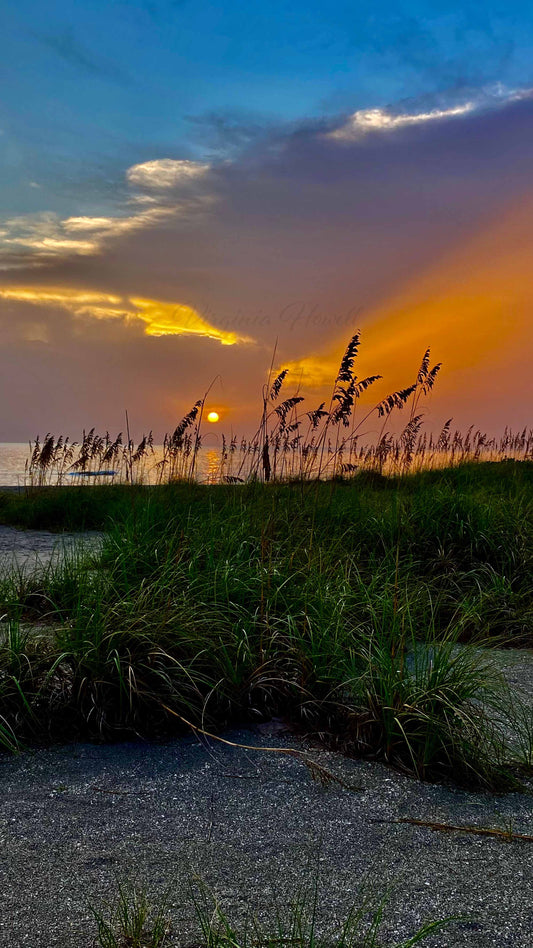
pixel 31 549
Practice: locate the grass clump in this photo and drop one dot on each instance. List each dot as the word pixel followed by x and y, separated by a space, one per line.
pixel 133 921
pixel 437 709
pixel 137 921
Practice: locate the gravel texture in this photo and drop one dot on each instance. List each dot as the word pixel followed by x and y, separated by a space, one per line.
pixel 74 818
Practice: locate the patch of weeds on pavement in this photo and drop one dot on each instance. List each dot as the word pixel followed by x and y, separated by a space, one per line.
pixel 300 923
pixel 135 920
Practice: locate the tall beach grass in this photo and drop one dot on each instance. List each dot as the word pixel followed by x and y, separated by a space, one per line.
pixel 292 442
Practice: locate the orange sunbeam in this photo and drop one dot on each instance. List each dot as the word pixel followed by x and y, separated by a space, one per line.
pixel 472 308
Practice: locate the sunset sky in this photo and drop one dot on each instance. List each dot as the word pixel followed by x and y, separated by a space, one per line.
pixel 184 183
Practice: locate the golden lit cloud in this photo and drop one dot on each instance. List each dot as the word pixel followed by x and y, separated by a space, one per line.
pixel 48 237
pixel 384 120
pixel 174 319
pixel 312 371
pixel 165 173
pixel 37 295
pixel 159 318
pixel 79 303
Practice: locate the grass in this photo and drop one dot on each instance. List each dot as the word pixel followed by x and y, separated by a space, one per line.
pixel 135 920
pixel 363 611
pixel 290 443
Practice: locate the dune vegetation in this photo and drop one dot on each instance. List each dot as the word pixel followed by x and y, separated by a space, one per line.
pixel 361 607
pixel 362 611
pixel 290 443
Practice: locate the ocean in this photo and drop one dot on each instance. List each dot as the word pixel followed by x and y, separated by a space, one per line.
pixel 14 456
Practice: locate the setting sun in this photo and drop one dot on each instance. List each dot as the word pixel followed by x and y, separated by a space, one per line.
pixel 213 416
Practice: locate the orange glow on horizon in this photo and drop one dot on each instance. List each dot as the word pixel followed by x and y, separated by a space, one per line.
pixel 472 308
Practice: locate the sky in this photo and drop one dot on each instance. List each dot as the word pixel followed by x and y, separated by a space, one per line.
pixel 189 190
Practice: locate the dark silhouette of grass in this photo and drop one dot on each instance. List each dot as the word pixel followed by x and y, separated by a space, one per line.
pixel 290 443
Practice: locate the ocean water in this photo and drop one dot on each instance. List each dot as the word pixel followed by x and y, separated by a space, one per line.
pixel 13 459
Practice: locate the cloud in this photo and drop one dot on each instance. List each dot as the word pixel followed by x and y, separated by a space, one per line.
pixel 98 224
pixel 164 319
pixel 62 374
pixel 229 132
pixel 39 238
pixel 314 372
pixel 77 302
pixel 365 121
pixel 168 188
pixel 306 239
pixel 159 318
pixel 165 173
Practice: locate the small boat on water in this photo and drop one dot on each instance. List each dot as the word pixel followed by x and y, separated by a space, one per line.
pixel 92 473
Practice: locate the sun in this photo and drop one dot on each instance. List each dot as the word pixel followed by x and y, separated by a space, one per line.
pixel 213 416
